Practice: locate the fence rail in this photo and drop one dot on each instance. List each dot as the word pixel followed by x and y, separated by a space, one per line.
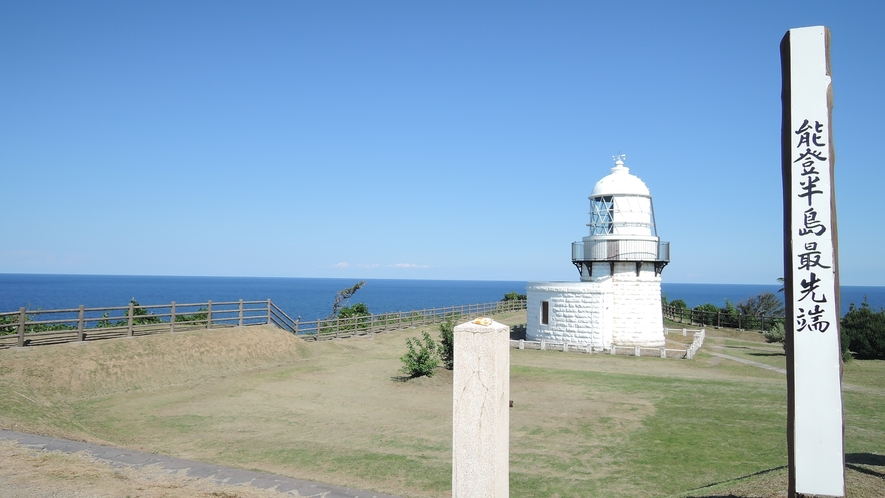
pixel 37 327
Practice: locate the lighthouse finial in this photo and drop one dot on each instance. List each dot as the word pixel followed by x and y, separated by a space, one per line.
pixel 619 158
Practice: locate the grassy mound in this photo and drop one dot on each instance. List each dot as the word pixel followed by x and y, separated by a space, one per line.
pixel 39 385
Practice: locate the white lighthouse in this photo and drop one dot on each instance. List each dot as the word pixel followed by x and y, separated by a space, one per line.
pixel 618 299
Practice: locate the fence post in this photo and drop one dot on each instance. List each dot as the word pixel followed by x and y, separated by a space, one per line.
pixel 131 312
pixel 80 335
pixel 172 318
pixel 209 314
pixel 240 322
pixel 762 316
pixel 21 327
pixel 637 352
pixel 268 311
pixel 663 353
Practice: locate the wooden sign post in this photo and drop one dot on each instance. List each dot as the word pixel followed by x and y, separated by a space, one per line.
pixel 814 360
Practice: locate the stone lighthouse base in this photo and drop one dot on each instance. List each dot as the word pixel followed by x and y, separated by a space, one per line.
pixel 598 313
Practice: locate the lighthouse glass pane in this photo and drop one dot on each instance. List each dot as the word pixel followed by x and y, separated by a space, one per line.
pixel 631 215
pixel 601 215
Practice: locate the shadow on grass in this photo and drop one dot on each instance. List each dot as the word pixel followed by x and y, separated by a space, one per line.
pixel 402 378
pixel 855 460
pixel 756 351
pixel 722 496
pixel 727 481
pixel 767 354
pixel 865 459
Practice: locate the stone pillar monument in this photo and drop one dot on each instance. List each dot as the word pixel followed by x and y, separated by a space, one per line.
pixel 814 361
pixel 480 410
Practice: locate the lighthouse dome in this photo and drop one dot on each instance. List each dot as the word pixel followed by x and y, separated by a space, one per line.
pixel 620 182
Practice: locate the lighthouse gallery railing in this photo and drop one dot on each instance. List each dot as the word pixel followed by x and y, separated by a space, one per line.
pixel 621 250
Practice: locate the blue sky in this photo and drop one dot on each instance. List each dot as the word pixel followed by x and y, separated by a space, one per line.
pixel 449 140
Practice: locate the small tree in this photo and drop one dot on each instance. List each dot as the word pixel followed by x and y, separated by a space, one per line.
pixel 766 303
pixel 420 359
pixel 447 344
pixel 342 296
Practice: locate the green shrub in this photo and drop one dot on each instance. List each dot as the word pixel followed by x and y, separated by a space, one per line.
pixel 679 303
pixel 775 333
pixel 512 296
pixel 863 331
pixel 706 313
pixel 140 316
pixel 420 359
pixel 350 316
pixel 447 343
pixel 8 324
pixel 200 316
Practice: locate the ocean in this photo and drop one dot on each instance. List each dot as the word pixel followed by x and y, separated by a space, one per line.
pixel 311 298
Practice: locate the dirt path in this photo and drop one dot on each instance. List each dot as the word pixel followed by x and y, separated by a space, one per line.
pixel 746 362
pixel 231 479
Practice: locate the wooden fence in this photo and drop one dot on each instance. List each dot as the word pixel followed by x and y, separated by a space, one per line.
pixel 30 328
pixel 720 319
pixel 370 324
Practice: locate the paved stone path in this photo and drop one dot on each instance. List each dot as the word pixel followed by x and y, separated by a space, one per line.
pixel 216 473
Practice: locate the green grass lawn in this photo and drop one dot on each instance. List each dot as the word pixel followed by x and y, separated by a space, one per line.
pixel 338 412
